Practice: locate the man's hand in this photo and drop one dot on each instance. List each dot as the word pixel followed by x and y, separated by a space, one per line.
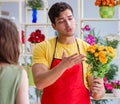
pixel 97 88
pixel 72 60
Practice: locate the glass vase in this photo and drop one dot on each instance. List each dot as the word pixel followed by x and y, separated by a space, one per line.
pixel 34 15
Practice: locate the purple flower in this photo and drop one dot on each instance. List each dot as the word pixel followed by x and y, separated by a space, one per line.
pixel 90 39
pixel 116 84
pixel 86 28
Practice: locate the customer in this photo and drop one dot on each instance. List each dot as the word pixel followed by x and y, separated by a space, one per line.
pixel 13 78
pixel 58 63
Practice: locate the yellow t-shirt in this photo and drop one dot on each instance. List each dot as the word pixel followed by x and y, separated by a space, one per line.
pixel 43 52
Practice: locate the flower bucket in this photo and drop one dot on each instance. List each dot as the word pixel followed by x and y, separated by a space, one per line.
pixel 116 92
pixel 106 11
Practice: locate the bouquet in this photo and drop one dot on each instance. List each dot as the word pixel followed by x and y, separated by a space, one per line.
pixel 36 37
pixel 98 59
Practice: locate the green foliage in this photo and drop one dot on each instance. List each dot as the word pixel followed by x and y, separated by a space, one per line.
pixel 35 4
pixel 113 43
pixel 111 72
pixel 98 39
pixel 99 101
pixel 38 93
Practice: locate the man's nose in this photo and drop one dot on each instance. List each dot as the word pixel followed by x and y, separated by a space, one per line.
pixel 67 22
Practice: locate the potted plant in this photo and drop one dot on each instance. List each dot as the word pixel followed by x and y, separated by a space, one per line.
pixel 106 7
pixel 35 5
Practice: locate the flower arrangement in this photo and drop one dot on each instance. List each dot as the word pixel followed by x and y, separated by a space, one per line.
pixel 115 84
pixel 36 37
pixel 99 55
pixel 109 3
pixel 35 4
pixel 98 58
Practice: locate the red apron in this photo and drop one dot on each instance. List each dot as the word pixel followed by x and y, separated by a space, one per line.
pixel 68 89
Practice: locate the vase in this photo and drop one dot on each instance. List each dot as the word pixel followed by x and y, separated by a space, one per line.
pixel 30 76
pixel 116 92
pixel 106 11
pixel 34 15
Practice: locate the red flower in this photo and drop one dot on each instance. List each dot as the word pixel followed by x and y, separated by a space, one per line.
pixel 23 37
pixel 36 37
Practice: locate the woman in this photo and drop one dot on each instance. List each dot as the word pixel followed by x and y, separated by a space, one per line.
pixel 13 78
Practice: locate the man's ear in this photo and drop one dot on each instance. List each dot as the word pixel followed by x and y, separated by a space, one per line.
pixel 54 27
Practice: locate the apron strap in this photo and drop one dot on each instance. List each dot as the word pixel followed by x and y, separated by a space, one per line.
pixel 54 52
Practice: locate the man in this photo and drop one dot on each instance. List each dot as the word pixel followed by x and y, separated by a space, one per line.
pixel 58 63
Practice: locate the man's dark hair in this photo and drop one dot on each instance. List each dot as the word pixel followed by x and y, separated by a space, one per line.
pixel 56 9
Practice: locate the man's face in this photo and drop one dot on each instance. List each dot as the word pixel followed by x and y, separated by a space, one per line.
pixel 65 23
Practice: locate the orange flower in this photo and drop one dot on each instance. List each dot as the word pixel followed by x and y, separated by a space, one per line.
pixel 102 57
pixel 106 3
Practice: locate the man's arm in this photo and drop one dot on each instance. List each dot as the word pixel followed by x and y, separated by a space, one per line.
pixel 44 77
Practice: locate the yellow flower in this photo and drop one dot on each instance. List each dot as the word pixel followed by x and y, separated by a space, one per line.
pixel 98 58
pixel 91 49
pixel 103 59
pixel 111 51
pixel 101 48
pixel 96 54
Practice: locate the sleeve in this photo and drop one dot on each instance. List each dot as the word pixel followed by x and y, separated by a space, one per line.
pixel 39 54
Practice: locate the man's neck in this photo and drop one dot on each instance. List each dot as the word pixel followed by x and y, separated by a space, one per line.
pixel 66 40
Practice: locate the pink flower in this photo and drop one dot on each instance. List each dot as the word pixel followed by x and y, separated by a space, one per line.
pixel 89 35
pixel 105 80
pixel 86 28
pixel 116 84
pixel 90 39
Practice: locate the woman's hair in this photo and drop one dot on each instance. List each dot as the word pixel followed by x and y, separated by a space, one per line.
pixel 9 42
pixel 56 9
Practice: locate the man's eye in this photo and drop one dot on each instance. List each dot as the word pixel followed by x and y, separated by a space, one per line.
pixel 60 21
pixel 70 18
